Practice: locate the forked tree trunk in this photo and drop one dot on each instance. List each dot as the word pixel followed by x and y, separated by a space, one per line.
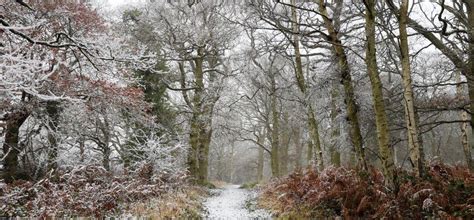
pixel 196 125
pixel 200 132
pixel 206 116
pixel 381 120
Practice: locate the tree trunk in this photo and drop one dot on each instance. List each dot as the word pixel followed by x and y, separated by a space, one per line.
pixel 275 132
pixel 301 82
pixel 104 144
pixel 192 160
pixel 82 149
pixel 197 130
pixel 464 137
pixel 205 136
pixel 470 72
pixel 309 153
pixel 53 110
pixel 351 105
pixel 205 140
pixel 451 54
pixel 410 118
pixel 335 130
pixel 106 152
pixel 381 120
pixel 285 145
pixel 298 147
pixel 260 164
pixel 261 154
pixel 11 149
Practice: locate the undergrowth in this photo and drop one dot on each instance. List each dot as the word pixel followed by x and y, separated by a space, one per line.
pixel 445 192
pixel 91 191
pixel 250 185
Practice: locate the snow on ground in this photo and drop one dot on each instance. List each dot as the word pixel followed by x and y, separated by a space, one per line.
pixel 230 203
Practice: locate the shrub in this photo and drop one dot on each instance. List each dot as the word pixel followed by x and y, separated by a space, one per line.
pixel 84 191
pixel 445 192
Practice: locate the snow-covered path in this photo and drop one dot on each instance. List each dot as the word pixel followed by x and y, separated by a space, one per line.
pixel 230 203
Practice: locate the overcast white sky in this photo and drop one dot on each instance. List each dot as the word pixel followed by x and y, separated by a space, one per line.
pixel 115 3
pixel 119 2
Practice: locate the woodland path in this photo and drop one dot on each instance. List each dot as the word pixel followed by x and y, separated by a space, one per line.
pixel 231 202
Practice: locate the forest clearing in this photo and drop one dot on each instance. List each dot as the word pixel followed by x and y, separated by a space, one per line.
pixel 227 109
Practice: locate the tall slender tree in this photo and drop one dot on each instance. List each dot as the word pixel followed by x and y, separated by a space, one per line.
pixel 377 94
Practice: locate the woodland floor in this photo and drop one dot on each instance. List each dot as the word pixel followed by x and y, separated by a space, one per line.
pixel 231 202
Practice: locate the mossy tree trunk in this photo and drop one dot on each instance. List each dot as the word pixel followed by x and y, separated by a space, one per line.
pixel 335 130
pixel 470 72
pixel 381 120
pixel 343 64
pixel 192 160
pixel 301 82
pixel 309 153
pixel 202 108
pixel 197 134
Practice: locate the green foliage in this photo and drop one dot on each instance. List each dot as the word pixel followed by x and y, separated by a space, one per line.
pixel 208 185
pixel 151 80
pixel 248 185
pixel 131 15
pixel 156 94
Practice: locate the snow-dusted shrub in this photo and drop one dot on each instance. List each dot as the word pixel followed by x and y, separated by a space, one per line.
pixel 85 191
pixel 445 192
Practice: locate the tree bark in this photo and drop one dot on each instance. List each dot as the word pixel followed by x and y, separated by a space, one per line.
pixel 351 105
pixel 335 130
pixel 298 147
pixel 275 132
pixel 285 145
pixel 381 120
pixel 410 115
pixel 104 143
pixel 301 82
pixel 53 110
pixel 11 148
pixel 467 68
pixel 192 160
pixel 470 73
pixel 464 117
pixel 205 140
pixel 197 135
pixel 309 153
